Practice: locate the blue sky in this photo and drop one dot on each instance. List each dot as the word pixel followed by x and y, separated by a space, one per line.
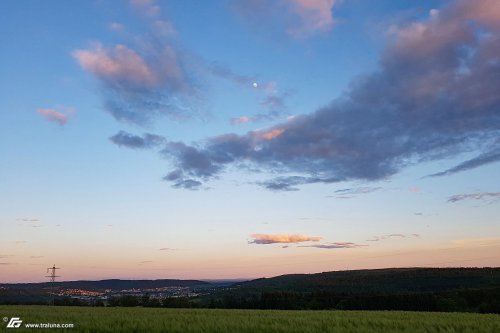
pixel 250 138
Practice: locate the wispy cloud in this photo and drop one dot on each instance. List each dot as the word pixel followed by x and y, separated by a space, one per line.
pixel 115 26
pixel 241 120
pixel 291 183
pixel 146 7
pixel 297 18
pixel 419 105
pixel 140 85
pixel 3 256
pixel 272 99
pixel 167 249
pixel 475 242
pixel 128 140
pixel 483 196
pixel 335 245
pixel 149 75
pixel 315 16
pixel 281 238
pixel 488 157
pixel 30 220
pixel 347 193
pixel 59 115
pixel 390 236
pixel 145 77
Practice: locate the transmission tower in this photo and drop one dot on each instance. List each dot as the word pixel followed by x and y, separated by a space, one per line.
pixel 52 276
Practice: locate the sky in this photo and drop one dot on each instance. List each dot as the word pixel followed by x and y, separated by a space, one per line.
pixel 247 138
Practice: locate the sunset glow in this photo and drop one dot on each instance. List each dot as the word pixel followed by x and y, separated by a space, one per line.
pixel 247 139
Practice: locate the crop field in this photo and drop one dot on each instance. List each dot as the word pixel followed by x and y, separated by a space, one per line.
pixel 87 319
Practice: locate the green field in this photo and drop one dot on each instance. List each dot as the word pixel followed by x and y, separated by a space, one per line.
pixel 87 319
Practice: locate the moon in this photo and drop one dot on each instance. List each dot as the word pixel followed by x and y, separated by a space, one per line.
pixel 255 85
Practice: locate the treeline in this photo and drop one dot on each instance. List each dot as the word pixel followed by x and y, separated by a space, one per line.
pixel 147 301
pixel 381 281
pixel 469 300
pixel 482 300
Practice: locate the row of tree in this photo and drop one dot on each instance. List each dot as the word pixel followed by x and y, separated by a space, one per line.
pixel 482 300
pixel 466 300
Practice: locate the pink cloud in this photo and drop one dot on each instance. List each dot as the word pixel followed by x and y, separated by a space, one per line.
pixel 281 238
pixel 241 120
pixel 315 16
pixel 271 134
pixel 146 76
pixel 486 12
pixel 298 18
pixel 438 38
pixel 60 115
pixel 120 63
pixel 123 65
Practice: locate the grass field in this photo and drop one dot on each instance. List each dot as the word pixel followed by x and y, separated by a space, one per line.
pixel 87 319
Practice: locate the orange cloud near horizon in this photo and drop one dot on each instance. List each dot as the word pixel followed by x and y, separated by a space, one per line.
pixel 281 238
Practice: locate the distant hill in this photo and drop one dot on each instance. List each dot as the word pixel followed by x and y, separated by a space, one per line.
pixel 113 284
pixel 409 289
pixel 379 281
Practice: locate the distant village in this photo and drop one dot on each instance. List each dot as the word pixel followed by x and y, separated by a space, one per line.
pixel 154 293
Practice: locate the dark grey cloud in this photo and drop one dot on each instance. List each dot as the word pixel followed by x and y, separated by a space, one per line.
pixel 433 96
pixel 128 140
pixel 485 196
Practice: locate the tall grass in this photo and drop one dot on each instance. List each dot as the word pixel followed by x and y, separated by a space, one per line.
pixel 249 321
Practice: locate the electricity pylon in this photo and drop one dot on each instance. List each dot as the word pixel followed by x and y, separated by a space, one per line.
pixel 52 276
